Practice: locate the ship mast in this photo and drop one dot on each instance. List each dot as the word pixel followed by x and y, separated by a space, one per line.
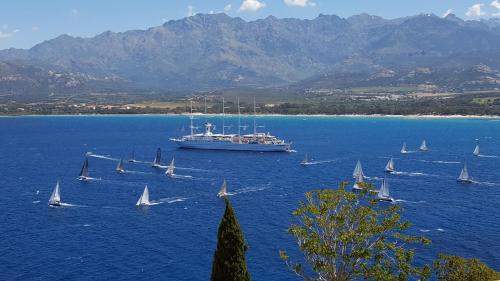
pixel 191 118
pixel 254 118
pixel 223 115
pixel 239 119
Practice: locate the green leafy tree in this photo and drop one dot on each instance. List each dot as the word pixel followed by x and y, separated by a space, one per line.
pixel 349 236
pixel 454 268
pixel 229 262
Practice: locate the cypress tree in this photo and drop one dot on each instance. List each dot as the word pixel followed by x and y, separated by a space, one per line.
pixel 229 262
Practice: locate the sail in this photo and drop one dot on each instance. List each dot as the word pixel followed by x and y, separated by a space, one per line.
pixel 403 149
pixel 223 189
pixel 464 174
pixel 306 160
pixel 144 199
pixel 84 173
pixel 358 170
pixel 119 167
pixel 55 198
pixel 157 161
pixel 390 166
pixel 384 190
pixel 476 151
pixel 423 146
pixel 171 168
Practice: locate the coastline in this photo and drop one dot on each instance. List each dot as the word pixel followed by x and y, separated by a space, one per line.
pixel 411 116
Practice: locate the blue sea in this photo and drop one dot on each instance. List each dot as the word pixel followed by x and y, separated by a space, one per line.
pixel 102 235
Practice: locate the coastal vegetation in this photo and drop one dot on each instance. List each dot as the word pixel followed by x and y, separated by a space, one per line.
pixel 346 236
pixel 229 263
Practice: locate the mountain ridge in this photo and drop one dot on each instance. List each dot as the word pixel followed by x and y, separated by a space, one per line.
pixel 214 51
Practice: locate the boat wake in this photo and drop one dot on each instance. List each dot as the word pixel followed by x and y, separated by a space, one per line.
pixel 247 190
pixel 487 156
pixel 192 169
pixel 410 202
pixel 320 162
pixel 412 174
pixel 429 230
pixel 486 183
pixel 168 200
pixel 137 172
pixel 36 202
pixel 439 161
pixel 373 178
pixel 185 177
pixel 102 157
pixel 72 205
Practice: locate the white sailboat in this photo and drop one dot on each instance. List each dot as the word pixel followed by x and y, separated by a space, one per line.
pixel 476 151
pixel 171 168
pixel 358 170
pixel 157 160
pixel 464 175
pixel 55 198
pixel 423 146
pixel 119 167
pixel 403 149
pixel 389 168
pixel 223 189
pixel 358 183
pixel 132 157
pixel 84 172
pixel 144 199
pixel 305 162
pixel 383 193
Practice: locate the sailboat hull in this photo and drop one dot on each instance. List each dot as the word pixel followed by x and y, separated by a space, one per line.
pixel 386 199
pixel 55 204
pixel 464 181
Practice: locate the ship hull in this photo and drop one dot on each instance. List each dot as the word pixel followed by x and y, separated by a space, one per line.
pixel 215 145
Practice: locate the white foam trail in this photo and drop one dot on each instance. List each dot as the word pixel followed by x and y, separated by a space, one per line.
pixel 248 189
pixel 175 176
pixel 487 156
pixel 424 230
pixel 438 161
pixel 137 172
pixel 38 192
pixel 440 229
pixel 374 178
pixel 103 157
pixel 486 183
pixel 36 202
pixel 410 202
pixel 71 205
pixel 412 174
pixel 321 162
pixel 192 169
pixel 168 200
pixel 292 151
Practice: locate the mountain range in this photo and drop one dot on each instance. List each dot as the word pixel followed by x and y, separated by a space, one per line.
pixel 216 51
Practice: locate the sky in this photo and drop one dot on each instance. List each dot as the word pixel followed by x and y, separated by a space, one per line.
pixel 25 23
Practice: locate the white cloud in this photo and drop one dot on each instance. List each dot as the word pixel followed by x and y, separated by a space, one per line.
pixel 495 4
pixel 35 28
pixel 6 33
pixel 300 3
pixel 475 11
pixel 190 11
pixel 447 13
pixel 251 5
pixel 75 12
pixel 227 8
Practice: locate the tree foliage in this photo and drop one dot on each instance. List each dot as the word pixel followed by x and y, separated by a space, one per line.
pixel 350 236
pixel 229 262
pixel 454 268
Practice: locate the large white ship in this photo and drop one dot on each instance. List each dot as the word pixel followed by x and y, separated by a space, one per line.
pixel 262 142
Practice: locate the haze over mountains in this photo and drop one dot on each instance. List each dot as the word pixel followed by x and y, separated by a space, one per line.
pixel 215 51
